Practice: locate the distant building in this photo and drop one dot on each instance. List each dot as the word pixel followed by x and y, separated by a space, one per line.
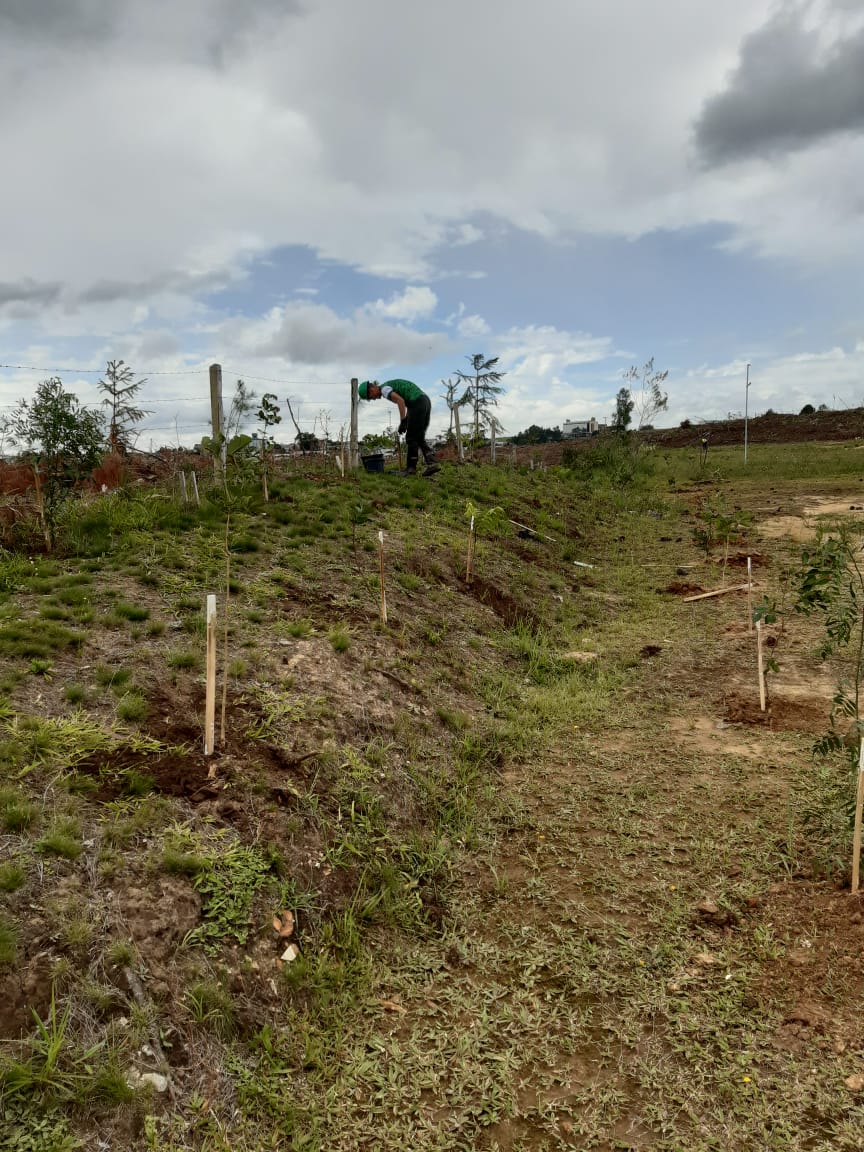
pixel 572 428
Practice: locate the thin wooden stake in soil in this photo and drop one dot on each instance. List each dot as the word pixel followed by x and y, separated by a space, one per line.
pixel 761 665
pixel 193 475
pixel 184 493
pixel 470 560
pixel 856 839
pixel 381 570
pixel 749 595
pixel 210 698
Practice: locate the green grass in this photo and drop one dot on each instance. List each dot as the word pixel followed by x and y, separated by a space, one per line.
pixel 12 876
pixel 134 612
pixel 132 707
pixel 185 659
pixel 340 638
pixel 17 813
pixel 36 638
pixel 8 942
pixel 110 677
pixel 75 693
pixel 62 839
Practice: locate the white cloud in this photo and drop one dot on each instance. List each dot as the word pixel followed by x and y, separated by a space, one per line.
pixel 471 326
pixel 229 138
pixel 415 303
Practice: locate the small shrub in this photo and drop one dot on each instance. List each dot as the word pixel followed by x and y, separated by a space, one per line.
pixel 156 628
pixel 41 668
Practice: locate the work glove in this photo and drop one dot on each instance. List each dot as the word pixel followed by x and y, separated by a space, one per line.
pixel 403 425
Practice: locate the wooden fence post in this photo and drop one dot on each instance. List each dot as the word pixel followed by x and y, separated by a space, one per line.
pixel 217 415
pixel 353 443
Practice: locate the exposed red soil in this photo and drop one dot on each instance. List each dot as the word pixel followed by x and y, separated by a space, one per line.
pixel 786 715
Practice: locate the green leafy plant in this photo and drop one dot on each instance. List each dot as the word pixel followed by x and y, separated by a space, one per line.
pixel 228 885
pixel 63 442
pixel 831 583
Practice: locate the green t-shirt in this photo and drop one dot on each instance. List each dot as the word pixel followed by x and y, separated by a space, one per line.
pixel 404 388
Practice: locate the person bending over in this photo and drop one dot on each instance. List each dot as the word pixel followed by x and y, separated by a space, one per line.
pixel 415 408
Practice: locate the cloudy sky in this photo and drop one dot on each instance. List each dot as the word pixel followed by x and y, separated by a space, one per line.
pixel 309 190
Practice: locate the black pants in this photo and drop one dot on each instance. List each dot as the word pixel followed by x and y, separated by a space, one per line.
pixel 419 412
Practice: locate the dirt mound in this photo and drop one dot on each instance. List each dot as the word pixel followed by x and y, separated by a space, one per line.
pixel 124 772
pixel 798 715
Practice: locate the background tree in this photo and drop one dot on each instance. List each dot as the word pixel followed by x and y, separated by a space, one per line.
pixel 268 416
pixel 120 388
pixel 62 440
pixel 623 413
pixel 482 381
pixel 536 434
pixel 643 384
pixel 455 403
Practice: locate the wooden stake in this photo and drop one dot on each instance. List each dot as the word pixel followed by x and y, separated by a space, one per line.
pixel 760 663
pixel 716 592
pixel 381 570
pixel 210 698
pixel 193 475
pixel 353 443
pixel 749 595
pixel 859 805
pixel 184 494
pixel 470 559
pixel 217 415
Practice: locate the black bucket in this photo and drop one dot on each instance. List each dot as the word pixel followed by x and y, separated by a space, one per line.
pixel 373 463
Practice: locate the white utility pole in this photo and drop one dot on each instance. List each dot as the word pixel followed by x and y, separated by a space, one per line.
pixel 746 410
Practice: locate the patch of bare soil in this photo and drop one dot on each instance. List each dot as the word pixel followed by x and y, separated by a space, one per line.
pixel 159 916
pixel 24 988
pixel 501 603
pixel 707 734
pixel 786 715
pixel 681 588
pixel 825 932
pixel 171 773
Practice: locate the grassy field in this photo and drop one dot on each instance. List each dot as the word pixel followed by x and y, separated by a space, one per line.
pixel 552 878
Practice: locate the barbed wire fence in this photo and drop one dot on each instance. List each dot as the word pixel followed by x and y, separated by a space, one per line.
pixel 194 413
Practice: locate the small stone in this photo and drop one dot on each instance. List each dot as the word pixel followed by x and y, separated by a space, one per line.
pixel 708 908
pixel 855 1083
pixel 156 1080
pixel 705 959
pixel 290 954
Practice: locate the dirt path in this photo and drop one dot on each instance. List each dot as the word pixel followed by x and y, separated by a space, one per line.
pixel 647 959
